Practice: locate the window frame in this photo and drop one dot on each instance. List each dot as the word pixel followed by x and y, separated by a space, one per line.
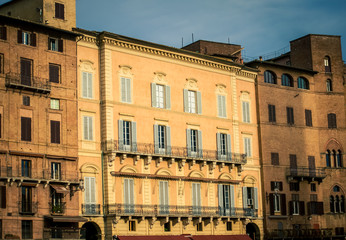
pixel 270 77
pixel 287 80
pixel 332 123
pixel 126 90
pixel 221 106
pixel 27 229
pixel 308 118
pixel 88 128
pixel 246 111
pixel 55 104
pixel 26 168
pixel 55 168
pixel 59 11
pixel 26 125
pixel 271 113
pixel 58 44
pixel 303 83
pixel 54 73
pixel 247 141
pixel 87 85
pixel 290 115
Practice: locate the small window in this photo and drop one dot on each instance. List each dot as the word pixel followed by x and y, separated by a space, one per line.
pixel 331 120
pixel 290 116
pixel 247 146
pixel 303 83
pixel 286 80
pixel 55 44
pixel 167 227
pixel 87 85
pixel 160 96
pixel 132 226
pixel 246 111
pixel 276 186
pixel 275 158
pixel 313 187
pixel 55 170
pixel 55 132
pixel 25 129
pixel 59 11
pixel 308 118
pixel 269 77
pixel 327 67
pixel 199 227
pixel 221 106
pixel 54 104
pixel 229 226
pixel 329 85
pixel 54 73
pixel 26 100
pixel 294 186
pixel 26 38
pixel 3 35
pixel 271 113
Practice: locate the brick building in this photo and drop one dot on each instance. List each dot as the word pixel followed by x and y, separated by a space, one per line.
pixel 38 135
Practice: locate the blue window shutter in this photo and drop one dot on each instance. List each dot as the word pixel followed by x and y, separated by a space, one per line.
pixel 218 143
pixel 168 97
pixel 229 148
pixel 153 94
pixel 156 138
pixel 134 136
pixel 200 146
pixel 199 102
pixel 188 141
pixel 256 197
pixel 169 147
pixel 121 134
pixel 186 101
pixel 245 197
pixel 221 205
pixel 232 200
pixel 161 193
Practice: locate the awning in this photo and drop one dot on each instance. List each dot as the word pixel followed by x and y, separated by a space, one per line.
pixel 220 237
pixel 67 218
pixel 60 189
pixel 170 237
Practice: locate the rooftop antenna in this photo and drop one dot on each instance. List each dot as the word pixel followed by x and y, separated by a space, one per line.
pixel 192 38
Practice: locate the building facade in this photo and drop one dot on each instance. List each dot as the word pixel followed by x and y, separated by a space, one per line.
pixel 38 134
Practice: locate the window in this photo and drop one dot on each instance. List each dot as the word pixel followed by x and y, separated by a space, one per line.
pixel 290 116
pixel 269 77
pixel 271 113
pixel 277 204
pixel 329 85
pixel 246 111
pixel 196 198
pixel 55 132
pixel 250 199
pixel 25 129
pixel 26 168
pixel 315 207
pixel 275 158
pixel 192 101
pixel 26 229
pixel 54 73
pixel 87 85
pixel 247 146
pixel 294 186
pixel 26 204
pixel 88 128
pixel 326 61
pixel 226 200
pixel 228 226
pixel 1 63
pixel 26 38
pixel 126 90
pixel 55 170
pixel 162 138
pixel 59 11
pixel 339 162
pixel 303 83
pixel 128 195
pixel 337 200
pixel 3 35
pixel 54 104
pixel 313 187
pixel 293 164
pixel 223 146
pixel 221 106
pixel 295 205
pixel 26 100
pixel 132 226
pixel 160 96
pixel 0 127
pixel 90 195
pixel 331 120
pixel 55 44
pixel 163 197
pixel 167 227
pixel 57 204
pixel 127 135
pixel 25 71
pixel 328 161
pixel 194 143
pixel 286 80
pixel 2 196
pixel 276 186
pixel 308 118
pixel 199 227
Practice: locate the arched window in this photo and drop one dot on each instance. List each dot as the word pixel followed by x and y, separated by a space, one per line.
pixel 337 200
pixel 332 209
pixel 339 159
pixel 286 80
pixel 329 85
pixel 328 159
pixel 326 61
pixel 334 158
pixel 269 77
pixel 303 83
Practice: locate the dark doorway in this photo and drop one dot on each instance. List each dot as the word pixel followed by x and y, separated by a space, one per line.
pixel 91 231
pixel 253 231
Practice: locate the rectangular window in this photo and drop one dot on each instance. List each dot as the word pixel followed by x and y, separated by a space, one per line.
pixel 226 200
pixel 88 128
pixel 127 134
pixel 54 104
pixel 162 135
pixel 54 73
pixel 26 38
pixel 331 120
pixel 308 118
pixel 313 187
pixel 221 106
pixel 129 195
pixel 167 227
pixel 25 129
pixel 250 199
pixel 132 226
pixel 55 44
pixel 55 132
pixel 3 35
pixel 247 146
pixel 2 196
pixel 246 112
pixel 295 204
pixel 160 96
pixel 26 229
pixel 26 168
pixel 87 85
pixel 57 204
pixel 163 197
pixel 126 90
pixel 275 158
pixel 194 143
pixel 26 100
pixel 277 205
pixel 290 116
pixel 272 113
pixel 160 99
pixel 25 71
pixel 192 101
pixel 90 195
pixel 294 186
pixel 194 140
pixel 55 170
pixel 26 204
pixel 276 186
pixel 196 198
pixel 223 146
pixel 228 226
pixel 293 164
pixel 59 11
pixel 199 227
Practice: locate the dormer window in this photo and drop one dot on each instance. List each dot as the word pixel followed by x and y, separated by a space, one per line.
pixel 59 11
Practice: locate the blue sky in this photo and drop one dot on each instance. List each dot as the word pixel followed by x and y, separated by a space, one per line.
pixel 260 26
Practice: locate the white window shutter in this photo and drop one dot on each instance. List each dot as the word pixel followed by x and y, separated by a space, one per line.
pixel 188 141
pixel 85 128
pixel 168 140
pixel 186 101
pixel 256 197
pixel 218 144
pixel 123 89
pixel 156 138
pixel 153 95
pixel 87 190
pixel 84 84
pixel 168 97
pixel 245 197
pixel 220 193
pixel 120 134
pixel 92 190
pixel 134 136
pixel 229 147
pixel 199 102
pixel 200 146
pixel 91 129
pixel 128 90
pixel 90 85
pixel 232 200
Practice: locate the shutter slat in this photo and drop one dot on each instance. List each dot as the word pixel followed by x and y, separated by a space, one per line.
pixel 153 94
pixel 168 97
pixel 169 147
pixel 121 134
pixel 186 103
pixel 156 138
pixel 199 102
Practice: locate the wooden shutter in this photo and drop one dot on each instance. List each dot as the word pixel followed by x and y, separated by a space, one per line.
pixel 168 140
pixel 301 208
pixel 57 13
pixel 232 199
pixel 54 73
pixel 275 158
pixel 0 127
pixel 134 136
pixel 153 95
pixel 85 128
pixel 272 186
pixel 283 204
pixel 229 147
pixel 255 195
pixel 308 117
pixel 156 138
pixel 84 84
pixel 168 97
pixel 220 194
pixel 55 131
pixel 92 190
pixel 25 70
pixel 3 196
pixel 33 39
pixel 128 90
pixel 196 194
pixel 319 206
pixel 60 45
pixel 87 192
pixel 90 128
pixel 20 36
pixel 186 101
pixel 188 141
pixel 121 134
pixel 200 146
pixel 199 102
pixel 89 85
pixel 26 129
pixel 290 207
pixel 271 203
pixel 218 145
pixel 245 205
pixel 3 33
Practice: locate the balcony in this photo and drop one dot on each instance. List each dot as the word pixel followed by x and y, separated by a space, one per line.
pixel 27 207
pixel 309 174
pixel 28 83
pixel 178 211
pixel 91 209
pixel 149 149
pixel 300 233
pixel 57 208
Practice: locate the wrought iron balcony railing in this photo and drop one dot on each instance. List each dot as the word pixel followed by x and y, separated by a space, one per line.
pixel 178 211
pixel 30 83
pixel 27 207
pixel 306 172
pixel 57 208
pixel 91 209
pixel 174 152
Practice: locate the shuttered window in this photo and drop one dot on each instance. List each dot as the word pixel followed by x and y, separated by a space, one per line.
pixel 55 131
pixel 224 151
pixel 3 33
pixel 59 11
pixel 221 106
pixel 272 113
pixel 54 73
pixel 226 200
pixel 126 90
pixel 26 38
pixel 25 71
pixel 87 85
pixel 331 120
pixel 129 195
pixel 275 158
pixel 3 196
pixel 290 116
pixel 194 143
pixel 246 111
pixel 192 101
pixel 196 198
pixel 25 129
pixel 247 146
pixel 308 118
pixel 163 195
pixel 160 96
pixel 90 190
pixel 162 139
pixel 88 128
pixel 55 44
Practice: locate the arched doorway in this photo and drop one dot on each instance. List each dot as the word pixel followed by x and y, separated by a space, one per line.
pixel 253 231
pixel 92 231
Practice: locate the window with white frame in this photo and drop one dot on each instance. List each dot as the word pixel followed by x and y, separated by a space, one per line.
pixel 246 111
pixel 162 139
pixel 223 146
pixel 125 90
pixel 88 128
pixel 226 200
pixel 295 204
pixel 90 196
pixel 54 104
pixel 192 101
pixel 87 85
pixel 250 198
pixel 127 134
pixel 128 195
pixel 160 96
pixel 247 146
pixel 196 198
pixel 163 197
pixel 194 143
pixel 221 106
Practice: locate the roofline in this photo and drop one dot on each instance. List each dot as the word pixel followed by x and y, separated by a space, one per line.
pixel 281 65
pixel 310 35
pixel 9 3
pixel 201 40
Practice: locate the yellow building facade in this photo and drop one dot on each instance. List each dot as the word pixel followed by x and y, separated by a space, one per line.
pixel 171 136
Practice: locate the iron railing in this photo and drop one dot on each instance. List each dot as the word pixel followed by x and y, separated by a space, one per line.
pixel 27 207
pixel 57 208
pixel 306 172
pixel 91 209
pixel 173 152
pixel 300 233
pixel 30 83
pixel 177 211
